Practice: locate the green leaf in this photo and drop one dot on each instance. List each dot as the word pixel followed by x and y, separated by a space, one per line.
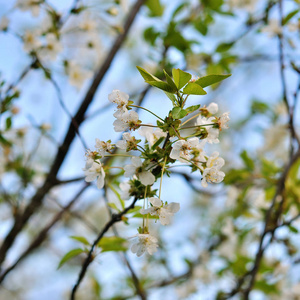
pixel 140 216
pixel 192 108
pixel 259 107
pixel 162 86
pixel 112 243
pixel 8 123
pixel 193 88
pixel 249 163
pixel 135 209
pixel 201 26
pixel 172 98
pixel 293 229
pixel 118 196
pixel 170 80
pixel 113 206
pixel 224 47
pixel 70 255
pixel 178 113
pixel 289 16
pixel 181 78
pixel 147 76
pixel 80 239
pixel 155 7
pixel 157 143
pixel 4 141
pixel 211 79
pixel 150 35
pixel 179 9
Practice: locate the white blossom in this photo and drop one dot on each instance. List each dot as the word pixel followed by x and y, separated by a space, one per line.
pixel 77 75
pixel 128 141
pixel 212 175
pixel 182 150
pixel 136 168
pixel 273 28
pixel 121 99
pixel 199 155
pixel 126 120
pixel 146 242
pixel 151 136
pixel 212 133
pixel 32 5
pixel 215 161
pixel 102 147
pixel 125 187
pixel 212 108
pixel 30 41
pixel 164 212
pixel 223 120
pixel 95 172
pixel 52 47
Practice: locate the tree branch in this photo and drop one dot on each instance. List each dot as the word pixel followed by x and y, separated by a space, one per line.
pixel 36 201
pixel 114 219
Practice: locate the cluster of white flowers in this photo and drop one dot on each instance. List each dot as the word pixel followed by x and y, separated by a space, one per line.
pixel 163 211
pixel 162 147
pixel 30 5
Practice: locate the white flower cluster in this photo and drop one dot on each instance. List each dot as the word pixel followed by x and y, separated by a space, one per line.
pixel 162 147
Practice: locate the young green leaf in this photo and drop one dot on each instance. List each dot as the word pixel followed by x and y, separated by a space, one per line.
pixel 289 16
pixel 147 76
pixel 192 108
pixel 112 243
pixel 178 113
pixel 162 86
pixel 170 80
pixel 193 88
pixel 211 79
pixel 181 78
pixel 248 161
pixel 155 7
pixel 224 47
pixel 80 239
pixel 70 255
pixel 172 98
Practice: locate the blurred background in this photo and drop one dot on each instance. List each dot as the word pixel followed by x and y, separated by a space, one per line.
pixel 50 52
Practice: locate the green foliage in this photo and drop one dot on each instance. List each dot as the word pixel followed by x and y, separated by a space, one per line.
pixel 155 7
pixel 249 163
pixel 193 88
pixel 81 239
pixel 289 16
pixel 178 113
pixel 211 79
pixel 224 47
pixel 181 78
pixel 112 243
pixel 69 255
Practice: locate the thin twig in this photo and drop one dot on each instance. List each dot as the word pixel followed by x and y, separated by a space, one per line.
pixel 36 200
pixel 43 233
pixel 115 218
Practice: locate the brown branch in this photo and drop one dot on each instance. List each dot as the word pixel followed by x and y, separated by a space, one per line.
pixel 43 233
pixel 135 280
pixel 115 218
pixel 36 201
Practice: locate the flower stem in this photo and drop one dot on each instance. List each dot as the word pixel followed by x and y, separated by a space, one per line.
pixel 197 126
pixel 193 117
pixel 147 111
pixel 161 177
pixel 148 125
